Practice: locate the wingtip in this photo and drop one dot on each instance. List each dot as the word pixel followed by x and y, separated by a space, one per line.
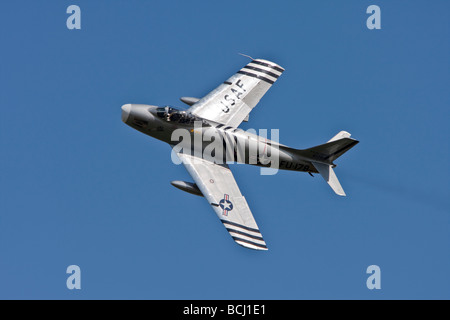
pixel 251 246
pixel 273 64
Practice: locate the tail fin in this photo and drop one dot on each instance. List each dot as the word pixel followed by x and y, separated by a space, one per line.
pixel 333 149
pixel 340 135
pixel 322 157
pixel 325 154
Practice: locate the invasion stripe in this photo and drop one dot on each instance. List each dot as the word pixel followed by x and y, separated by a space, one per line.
pixel 251 64
pixel 224 142
pixel 256 76
pixel 262 71
pixel 260 242
pixel 261 74
pixel 244 234
pixel 256 234
pixel 249 242
pixel 240 226
pixel 268 65
pixel 229 152
pixel 249 246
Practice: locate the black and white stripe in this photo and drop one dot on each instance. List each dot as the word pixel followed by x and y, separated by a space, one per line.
pixel 276 68
pixel 270 73
pixel 245 236
pixel 262 70
pixel 251 74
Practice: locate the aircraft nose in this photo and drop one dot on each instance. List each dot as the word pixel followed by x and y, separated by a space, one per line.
pixel 126 108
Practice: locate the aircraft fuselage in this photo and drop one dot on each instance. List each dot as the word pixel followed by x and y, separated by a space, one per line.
pixel 210 140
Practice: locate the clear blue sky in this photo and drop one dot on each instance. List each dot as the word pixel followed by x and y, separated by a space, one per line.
pixel 79 187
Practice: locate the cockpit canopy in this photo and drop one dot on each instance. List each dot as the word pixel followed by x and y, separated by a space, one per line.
pixel 171 114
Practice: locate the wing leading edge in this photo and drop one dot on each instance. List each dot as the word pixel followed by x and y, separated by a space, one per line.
pixel 231 102
pixel 219 187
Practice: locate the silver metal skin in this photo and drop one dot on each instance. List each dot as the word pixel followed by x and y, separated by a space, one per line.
pixel 144 119
pixel 215 118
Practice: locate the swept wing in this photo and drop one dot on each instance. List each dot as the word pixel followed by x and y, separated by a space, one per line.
pixel 231 102
pixel 218 186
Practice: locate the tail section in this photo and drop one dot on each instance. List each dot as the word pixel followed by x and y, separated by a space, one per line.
pixel 333 149
pixel 322 157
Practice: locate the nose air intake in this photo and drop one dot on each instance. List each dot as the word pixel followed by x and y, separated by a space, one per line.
pixel 126 108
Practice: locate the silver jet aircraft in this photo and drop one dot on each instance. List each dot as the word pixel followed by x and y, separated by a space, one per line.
pixel 218 115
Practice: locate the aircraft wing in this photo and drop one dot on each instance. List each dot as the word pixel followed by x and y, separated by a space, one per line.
pixel 231 102
pixel 218 186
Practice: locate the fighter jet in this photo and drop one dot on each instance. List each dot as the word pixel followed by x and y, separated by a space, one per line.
pixel 216 118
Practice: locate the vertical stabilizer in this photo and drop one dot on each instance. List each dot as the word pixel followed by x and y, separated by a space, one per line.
pixel 340 135
pixel 322 157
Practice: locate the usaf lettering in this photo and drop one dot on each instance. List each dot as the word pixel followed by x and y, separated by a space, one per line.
pixel 230 100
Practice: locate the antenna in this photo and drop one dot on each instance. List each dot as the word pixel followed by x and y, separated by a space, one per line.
pixel 246 55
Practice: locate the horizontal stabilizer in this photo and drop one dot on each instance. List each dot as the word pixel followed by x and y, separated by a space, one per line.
pixel 327 172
